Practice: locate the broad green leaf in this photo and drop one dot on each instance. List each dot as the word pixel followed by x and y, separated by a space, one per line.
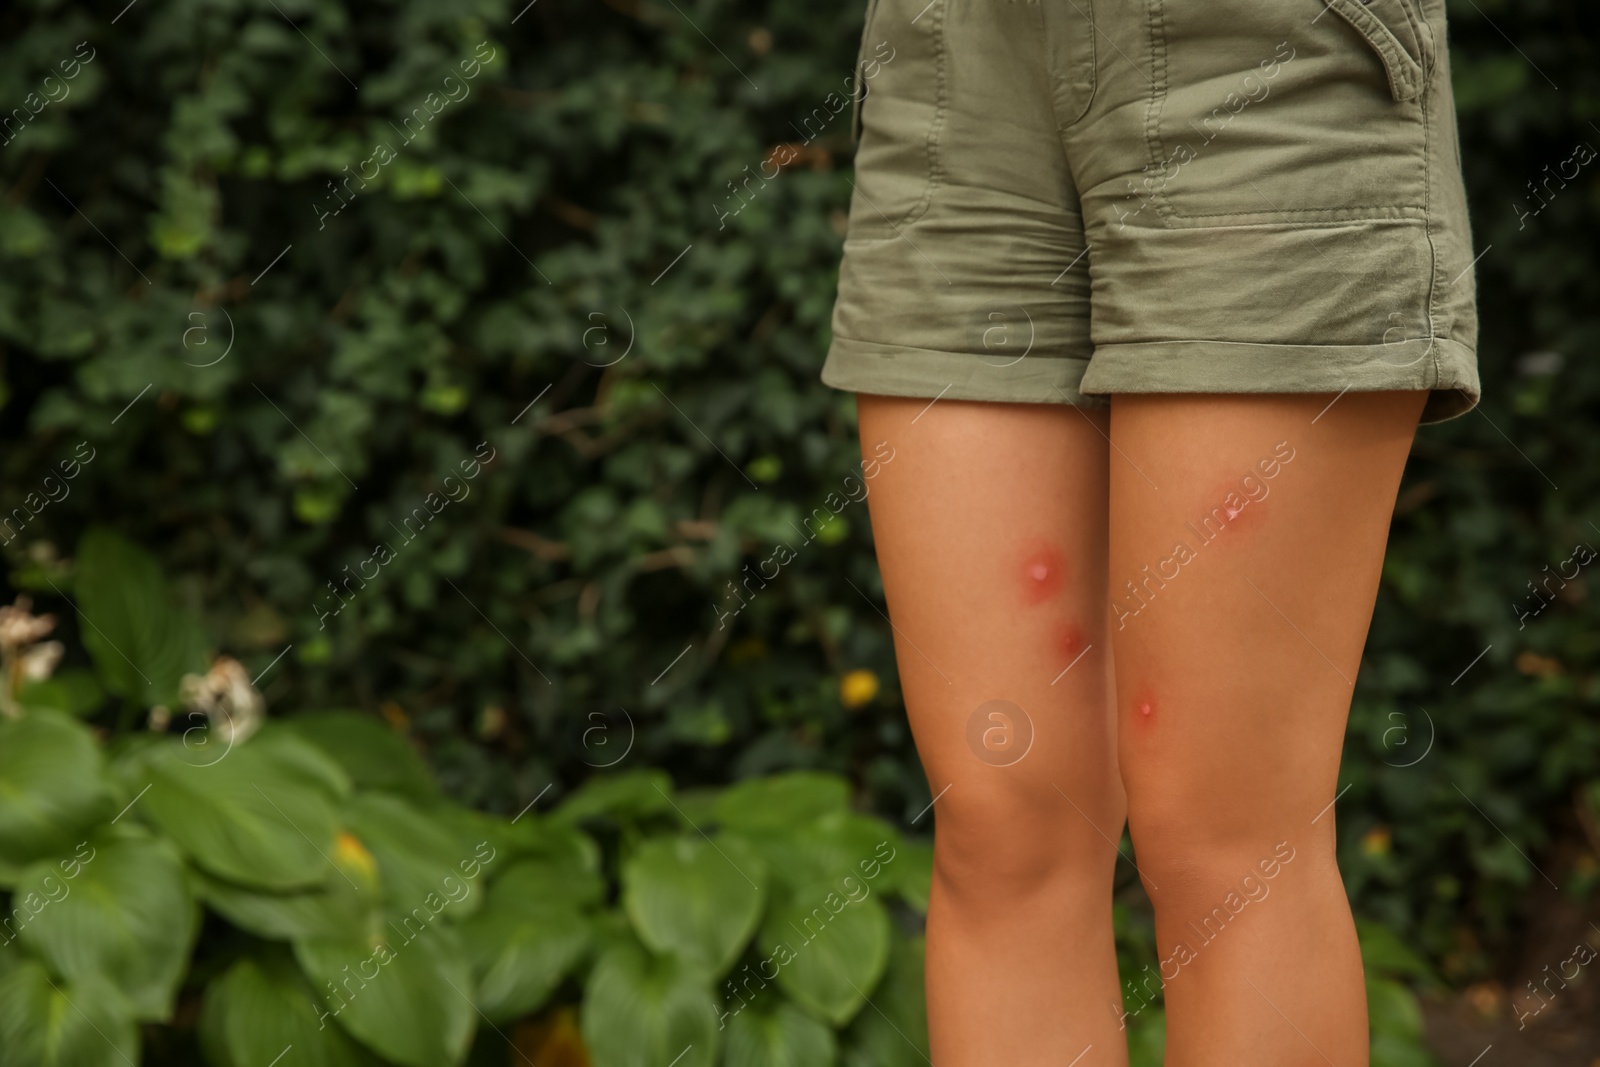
pixel 697 898
pixel 641 1010
pixel 45 1022
pixel 784 1037
pixel 303 760
pixel 1383 954
pixel 830 951
pixel 782 802
pixel 1391 1050
pixel 550 883
pixel 345 905
pixel 835 847
pixel 263 1006
pixel 70 692
pixel 126 917
pixel 630 797
pixel 251 817
pixel 1392 1009
pixel 421 862
pixel 141 641
pixel 407 997
pixel 894 1032
pixel 372 754
pixel 520 949
pixel 913 873
pixel 52 786
pixel 553 841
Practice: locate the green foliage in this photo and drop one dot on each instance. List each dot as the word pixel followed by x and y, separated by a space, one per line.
pixel 215 346
pixel 355 914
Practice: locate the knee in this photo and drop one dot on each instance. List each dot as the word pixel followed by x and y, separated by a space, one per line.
pixel 1023 844
pixel 1191 848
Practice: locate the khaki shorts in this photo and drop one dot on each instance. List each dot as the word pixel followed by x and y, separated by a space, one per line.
pixel 1057 200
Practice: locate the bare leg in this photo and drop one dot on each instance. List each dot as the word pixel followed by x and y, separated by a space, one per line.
pixel 990 523
pixel 1235 658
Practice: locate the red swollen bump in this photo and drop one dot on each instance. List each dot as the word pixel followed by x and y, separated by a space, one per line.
pixel 1043 574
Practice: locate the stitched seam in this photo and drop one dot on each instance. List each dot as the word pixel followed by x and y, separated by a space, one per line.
pixel 935 172
pixel 1394 212
pixel 1427 224
pixel 1383 41
pixel 1109 346
pixel 1415 19
pixel 1094 74
pixel 891 349
pixel 1158 99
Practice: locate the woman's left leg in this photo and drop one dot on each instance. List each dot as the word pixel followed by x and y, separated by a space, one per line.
pixel 1247 538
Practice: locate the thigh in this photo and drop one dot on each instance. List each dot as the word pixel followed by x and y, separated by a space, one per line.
pixel 1247 538
pixel 990 528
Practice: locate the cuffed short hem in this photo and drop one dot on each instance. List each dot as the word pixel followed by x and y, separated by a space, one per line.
pixel 1445 367
pixel 895 370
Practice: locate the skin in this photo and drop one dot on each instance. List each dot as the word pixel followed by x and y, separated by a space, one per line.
pixel 1211 719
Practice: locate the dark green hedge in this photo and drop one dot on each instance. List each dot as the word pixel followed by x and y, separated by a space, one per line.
pixel 292 275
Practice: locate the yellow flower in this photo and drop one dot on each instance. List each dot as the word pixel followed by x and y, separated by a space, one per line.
pixel 349 854
pixel 1376 841
pixel 857 688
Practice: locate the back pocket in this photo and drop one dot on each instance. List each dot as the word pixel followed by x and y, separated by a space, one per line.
pixel 1273 112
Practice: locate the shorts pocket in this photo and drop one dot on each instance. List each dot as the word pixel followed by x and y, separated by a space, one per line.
pixel 1278 113
pixel 1399 36
pixel 900 91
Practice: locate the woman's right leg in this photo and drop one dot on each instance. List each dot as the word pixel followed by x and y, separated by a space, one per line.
pixel 990 524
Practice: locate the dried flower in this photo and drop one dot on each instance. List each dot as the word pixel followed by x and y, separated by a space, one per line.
pixel 20 627
pixel 226 697
pixel 39 662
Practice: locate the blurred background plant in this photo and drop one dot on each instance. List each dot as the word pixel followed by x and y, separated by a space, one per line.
pixel 523 336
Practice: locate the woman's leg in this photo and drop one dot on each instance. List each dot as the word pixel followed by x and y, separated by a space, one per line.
pixel 1242 583
pixel 990 525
